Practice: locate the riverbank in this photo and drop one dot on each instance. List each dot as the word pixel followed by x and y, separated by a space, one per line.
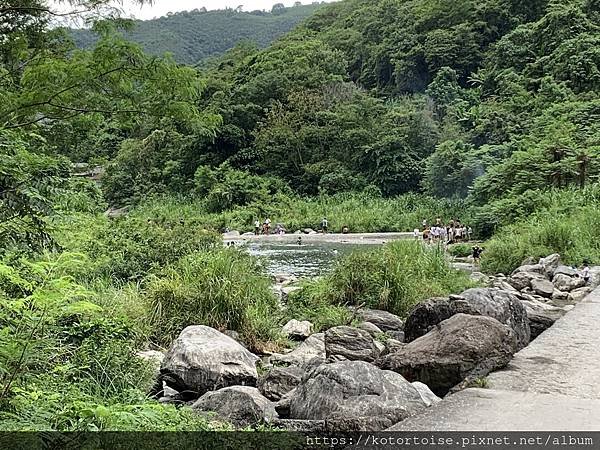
pixel 350 238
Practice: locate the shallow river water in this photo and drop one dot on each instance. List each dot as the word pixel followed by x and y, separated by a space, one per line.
pixel 306 260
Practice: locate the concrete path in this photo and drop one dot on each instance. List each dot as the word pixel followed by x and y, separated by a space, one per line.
pixel 553 384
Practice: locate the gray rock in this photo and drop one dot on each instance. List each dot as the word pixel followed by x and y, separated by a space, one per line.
pixel 153 357
pixel 424 316
pixel 428 397
pixel 202 359
pixel 380 346
pixel 351 343
pixel 567 283
pixel 559 295
pixel 384 320
pixel 458 351
pixel 231 234
pixel 550 264
pixel 391 345
pixel 286 291
pixel 241 405
pixel 370 328
pixel 279 381
pixel 531 268
pixel 576 295
pixel 295 329
pixel 355 390
pixel 503 306
pixel 544 288
pixel 397 335
pixel 522 280
pixel 313 347
pixel 541 316
pixel 565 270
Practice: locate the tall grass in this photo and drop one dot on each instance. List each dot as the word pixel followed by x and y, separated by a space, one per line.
pixel 573 233
pixel 224 289
pixel 359 212
pixel 393 278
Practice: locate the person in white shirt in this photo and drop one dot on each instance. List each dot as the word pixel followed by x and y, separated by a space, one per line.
pixel 417 234
pixel 257 227
pixel 585 273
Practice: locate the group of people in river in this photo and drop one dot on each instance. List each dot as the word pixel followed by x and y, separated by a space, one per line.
pixel 451 233
pixel 265 227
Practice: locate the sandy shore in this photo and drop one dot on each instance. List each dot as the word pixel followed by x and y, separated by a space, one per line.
pixel 350 238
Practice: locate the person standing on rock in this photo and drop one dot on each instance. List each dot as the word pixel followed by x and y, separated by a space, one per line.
pixel 324 225
pixel 267 226
pixel 477 251
pixel 416 234
pixel 257 227
pixel 585 273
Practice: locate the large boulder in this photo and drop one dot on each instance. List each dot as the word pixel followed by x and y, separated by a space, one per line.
pixel 455 353
pixel 550 264
pixel 350 343
pixel 370 328
pixel 241 405
pixel 565 270
pixel 384 320
pixel 424 316
pixel 541 316
pixel 542 287
pixel 567 283
pixel 355 390
pixel 576 295
pixel 522 280
pixel 202 359
pixel 311 348
pixel 503 306
pixel 278 381
pixel 296 329
pixel 530 268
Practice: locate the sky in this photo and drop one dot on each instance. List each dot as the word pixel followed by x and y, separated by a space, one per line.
pixel 162 7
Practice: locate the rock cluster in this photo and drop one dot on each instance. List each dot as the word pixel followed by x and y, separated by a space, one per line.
pixel 376 373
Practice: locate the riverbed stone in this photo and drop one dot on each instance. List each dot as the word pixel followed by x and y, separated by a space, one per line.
pixel 355 390
pixel 550 264
pixel 370 328
pixel 351 343
pixel 298 330
pixel 530 268
pixel 567 283
pixel 425 315
pixel 428 397
pixel 240 405
pixel 455 353
pixel 202 359
pixel 522 280
pixel 576 295
pixel 385 320
pixel 503 306
pixel 312 347
pixel 278 381
pixel 545 288
pixel 565 270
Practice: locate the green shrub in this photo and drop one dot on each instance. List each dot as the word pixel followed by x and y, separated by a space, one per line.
pixel 131 247
pixel 575 235
pixel 460 250
pixel 224 289
pixel 394 278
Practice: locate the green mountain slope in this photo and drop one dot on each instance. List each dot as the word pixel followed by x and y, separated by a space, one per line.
pixel 192 36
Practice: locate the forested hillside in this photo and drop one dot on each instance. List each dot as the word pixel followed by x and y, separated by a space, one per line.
pixel 374 113
pixel 193 36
